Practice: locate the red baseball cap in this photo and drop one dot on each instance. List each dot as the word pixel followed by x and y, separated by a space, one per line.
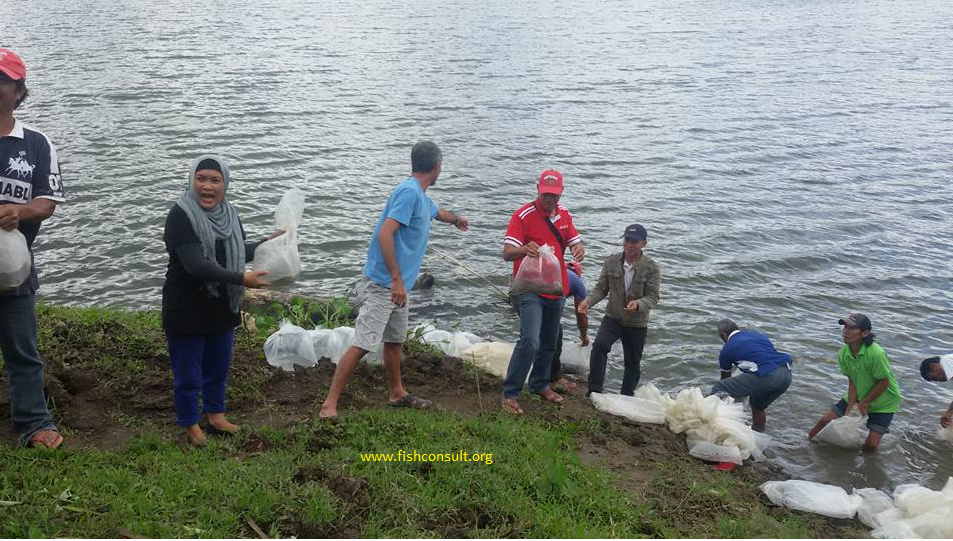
pixel 550 181
pixel 12 65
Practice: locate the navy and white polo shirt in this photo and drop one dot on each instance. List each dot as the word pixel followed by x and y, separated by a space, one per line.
pixel 29 169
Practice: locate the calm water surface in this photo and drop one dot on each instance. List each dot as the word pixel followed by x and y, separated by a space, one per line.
pixel 791 159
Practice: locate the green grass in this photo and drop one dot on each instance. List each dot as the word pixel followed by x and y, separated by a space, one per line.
pixel 310 481
pixel 535 486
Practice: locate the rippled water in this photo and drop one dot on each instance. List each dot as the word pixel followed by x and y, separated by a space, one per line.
pixel 791 159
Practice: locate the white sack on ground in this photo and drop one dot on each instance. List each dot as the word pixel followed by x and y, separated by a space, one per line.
pixel 288 346
pixel 849 431
pixel 818 498
pixel 14 259
pixel 914 512
pixel 631 408
pixel 920 513
pixel 494 357
pixel 279 256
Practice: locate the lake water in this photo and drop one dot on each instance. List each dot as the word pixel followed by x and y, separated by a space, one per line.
pixel 790 158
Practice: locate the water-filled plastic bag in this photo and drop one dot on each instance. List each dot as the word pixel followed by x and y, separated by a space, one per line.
pixel 541 275
pixel 849 431
pixel 279 256
pixel 288 346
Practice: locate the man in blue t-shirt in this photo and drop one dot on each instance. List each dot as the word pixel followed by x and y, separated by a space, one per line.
pixel 765 372
pixel 394 257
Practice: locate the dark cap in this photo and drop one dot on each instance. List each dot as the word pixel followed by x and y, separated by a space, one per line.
pixel 635 232
pixel 857 321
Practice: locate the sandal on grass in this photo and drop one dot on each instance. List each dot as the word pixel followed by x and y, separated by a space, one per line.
pixel 411 401
pixel 49 439
pixel 511 406
pixel 550 396
pixel 211 429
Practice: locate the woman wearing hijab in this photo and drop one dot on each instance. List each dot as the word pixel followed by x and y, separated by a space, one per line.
pixel 203 291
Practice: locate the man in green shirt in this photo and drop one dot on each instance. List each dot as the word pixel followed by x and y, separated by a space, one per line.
pixel 872 386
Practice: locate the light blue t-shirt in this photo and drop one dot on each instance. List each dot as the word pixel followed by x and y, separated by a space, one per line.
pixel 410 206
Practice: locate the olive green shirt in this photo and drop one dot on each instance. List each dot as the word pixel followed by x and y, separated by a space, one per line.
pixel 869 367
pixel 643 288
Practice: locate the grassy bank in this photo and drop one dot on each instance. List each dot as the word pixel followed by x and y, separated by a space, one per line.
pixel 557 472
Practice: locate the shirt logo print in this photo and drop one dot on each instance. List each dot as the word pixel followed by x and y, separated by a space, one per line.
pixel 20 166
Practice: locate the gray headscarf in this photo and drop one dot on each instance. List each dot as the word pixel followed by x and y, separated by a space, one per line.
pixel 222 223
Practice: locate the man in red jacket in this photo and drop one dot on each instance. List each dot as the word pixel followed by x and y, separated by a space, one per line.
pixel 541 222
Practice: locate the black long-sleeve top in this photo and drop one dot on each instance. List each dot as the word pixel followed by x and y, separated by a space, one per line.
pixel 187 305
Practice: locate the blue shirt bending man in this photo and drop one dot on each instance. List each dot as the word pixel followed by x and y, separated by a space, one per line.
pixel 765 372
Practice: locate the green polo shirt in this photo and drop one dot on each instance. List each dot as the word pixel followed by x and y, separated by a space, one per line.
pixel 869 367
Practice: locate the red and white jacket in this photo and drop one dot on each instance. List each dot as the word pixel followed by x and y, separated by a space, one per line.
pixel 527 225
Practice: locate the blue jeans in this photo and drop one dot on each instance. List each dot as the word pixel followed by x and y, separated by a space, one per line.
pixel 24 366
pixel 199 362
pixel 539 326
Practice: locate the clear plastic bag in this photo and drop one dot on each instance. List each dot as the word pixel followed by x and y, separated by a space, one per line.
pixel 541 275
pixel 826 500
pixel 714 453
pixel 575 358
pixel 873 507
pixel 849 431
pixel 279 256
pixel 15 260
pixel 288 346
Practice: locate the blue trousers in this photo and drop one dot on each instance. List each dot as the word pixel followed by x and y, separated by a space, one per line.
pixel 539 327
pixel 24 366
pixel 199 364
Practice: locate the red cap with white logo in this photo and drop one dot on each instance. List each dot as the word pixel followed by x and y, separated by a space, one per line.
pixel 551 181
pixel 12 65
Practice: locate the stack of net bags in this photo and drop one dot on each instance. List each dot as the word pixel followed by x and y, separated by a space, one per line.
pixel 715 429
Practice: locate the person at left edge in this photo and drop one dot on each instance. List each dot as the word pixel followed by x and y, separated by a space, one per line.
pixel 394 256
pixel 30 188
pixel 202 296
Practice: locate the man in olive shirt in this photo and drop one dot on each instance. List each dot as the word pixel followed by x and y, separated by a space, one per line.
pixel 872 386
pixel 631 281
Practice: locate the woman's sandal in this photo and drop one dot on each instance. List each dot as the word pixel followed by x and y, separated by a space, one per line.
pixel 50 439
pixel 211 429
pixel 511 406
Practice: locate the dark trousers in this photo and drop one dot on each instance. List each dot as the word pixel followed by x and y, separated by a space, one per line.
pixel 633 341
pixel 199 363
